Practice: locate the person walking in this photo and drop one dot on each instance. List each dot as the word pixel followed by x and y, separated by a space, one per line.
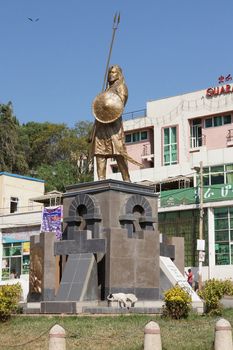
pixel 189 277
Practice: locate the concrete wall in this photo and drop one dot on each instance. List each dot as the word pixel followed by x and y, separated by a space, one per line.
pixel 22 188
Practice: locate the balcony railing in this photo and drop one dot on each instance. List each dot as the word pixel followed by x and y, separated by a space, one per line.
pixel 141 113
pixel 196 142
pixel 230 137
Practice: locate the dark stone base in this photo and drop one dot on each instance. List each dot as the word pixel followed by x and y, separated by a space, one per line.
pixel 72 308
pixel 34 297
pixel 55 307
pixel 125 310
pixel 31 311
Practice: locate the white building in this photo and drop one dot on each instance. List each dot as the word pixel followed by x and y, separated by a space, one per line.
pixel 20 218
pixel 176 136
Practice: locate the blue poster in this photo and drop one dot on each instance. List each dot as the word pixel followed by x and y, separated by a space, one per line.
pixel 52 220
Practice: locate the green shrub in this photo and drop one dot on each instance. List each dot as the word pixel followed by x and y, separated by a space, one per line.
pixel 212 292
pixel 227 287
pixel 177 303
pixel 9 299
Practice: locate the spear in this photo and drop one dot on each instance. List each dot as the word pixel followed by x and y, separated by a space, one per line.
pixel 116 22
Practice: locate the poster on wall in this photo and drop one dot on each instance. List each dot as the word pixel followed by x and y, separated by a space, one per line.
pixel 52 220
pixel 26 248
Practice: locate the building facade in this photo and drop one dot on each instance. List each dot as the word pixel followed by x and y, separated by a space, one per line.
pixel 182 142
pixel 20 217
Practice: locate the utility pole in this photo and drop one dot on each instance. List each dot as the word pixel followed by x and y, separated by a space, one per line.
pixel 201 253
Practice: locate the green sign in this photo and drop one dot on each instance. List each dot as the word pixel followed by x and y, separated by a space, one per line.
pixel 192 195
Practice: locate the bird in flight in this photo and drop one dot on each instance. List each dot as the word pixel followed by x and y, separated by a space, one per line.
pixel 33 20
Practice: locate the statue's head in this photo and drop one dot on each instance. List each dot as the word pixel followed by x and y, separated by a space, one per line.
pixel 115 73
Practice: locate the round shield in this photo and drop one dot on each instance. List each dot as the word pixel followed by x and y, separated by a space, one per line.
pixel 107 107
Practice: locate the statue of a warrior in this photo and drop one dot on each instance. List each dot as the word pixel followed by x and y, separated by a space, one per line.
pixel 108 139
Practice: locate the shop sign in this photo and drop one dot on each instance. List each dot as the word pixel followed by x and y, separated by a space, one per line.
pixel 219 90
pixel 191 195
pixel 224 79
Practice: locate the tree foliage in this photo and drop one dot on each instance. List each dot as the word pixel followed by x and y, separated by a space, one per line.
pixel 54 152
pixel 12 157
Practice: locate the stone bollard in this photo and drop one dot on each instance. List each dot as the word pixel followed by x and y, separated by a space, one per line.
pixel 152 338
pixel 223 336
pixel 57 338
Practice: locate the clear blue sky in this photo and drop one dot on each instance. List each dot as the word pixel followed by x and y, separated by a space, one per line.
pixel 52 69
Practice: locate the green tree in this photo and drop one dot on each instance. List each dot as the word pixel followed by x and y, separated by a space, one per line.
pixel 54 152
pixel 44 142
pixel 58 175
pixel 12 156
pixel 76 147
pixel 58 154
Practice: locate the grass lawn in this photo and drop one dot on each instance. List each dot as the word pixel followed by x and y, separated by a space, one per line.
pixel 109 332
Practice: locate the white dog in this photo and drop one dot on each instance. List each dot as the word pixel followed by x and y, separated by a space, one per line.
pixel 122 299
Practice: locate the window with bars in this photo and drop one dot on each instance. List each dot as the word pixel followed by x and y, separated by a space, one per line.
pixel 223 228
pixel 196 139
pixel 185 224
pixel 170 152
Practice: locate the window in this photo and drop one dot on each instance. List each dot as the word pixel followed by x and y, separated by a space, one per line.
pixel 169 146
pixel 223 220
pixel 13 204
pixel 196 133
pixel 115 169
pixel 227 119
pixel 136 136
pixel 217 121
pixel 217 175
pixel 221 174
pixel 185 224
pixel 128 138
pixel 208 122
pixel 15 259
pixel 144 135
pixel 229 174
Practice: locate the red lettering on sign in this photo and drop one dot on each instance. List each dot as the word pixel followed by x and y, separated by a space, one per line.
pixel 222 90
pixel 216 91
pixel 210 92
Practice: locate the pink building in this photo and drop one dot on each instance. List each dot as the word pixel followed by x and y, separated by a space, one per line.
pixel 181 140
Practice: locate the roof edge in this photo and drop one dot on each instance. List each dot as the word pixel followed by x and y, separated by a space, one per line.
pixel 21 177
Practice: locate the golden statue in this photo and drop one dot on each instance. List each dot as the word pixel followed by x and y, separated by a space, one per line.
pixel 108 140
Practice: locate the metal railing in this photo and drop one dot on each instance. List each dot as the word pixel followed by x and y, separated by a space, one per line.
pixel 141 113
pixel 197 141
pixel 230 135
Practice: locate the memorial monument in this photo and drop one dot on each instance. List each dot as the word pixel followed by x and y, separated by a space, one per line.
pixel 110 240
pixel 108 140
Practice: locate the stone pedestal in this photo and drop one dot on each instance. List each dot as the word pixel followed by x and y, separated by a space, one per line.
pixel 125 215
pixel 42 278
pixel 110 244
